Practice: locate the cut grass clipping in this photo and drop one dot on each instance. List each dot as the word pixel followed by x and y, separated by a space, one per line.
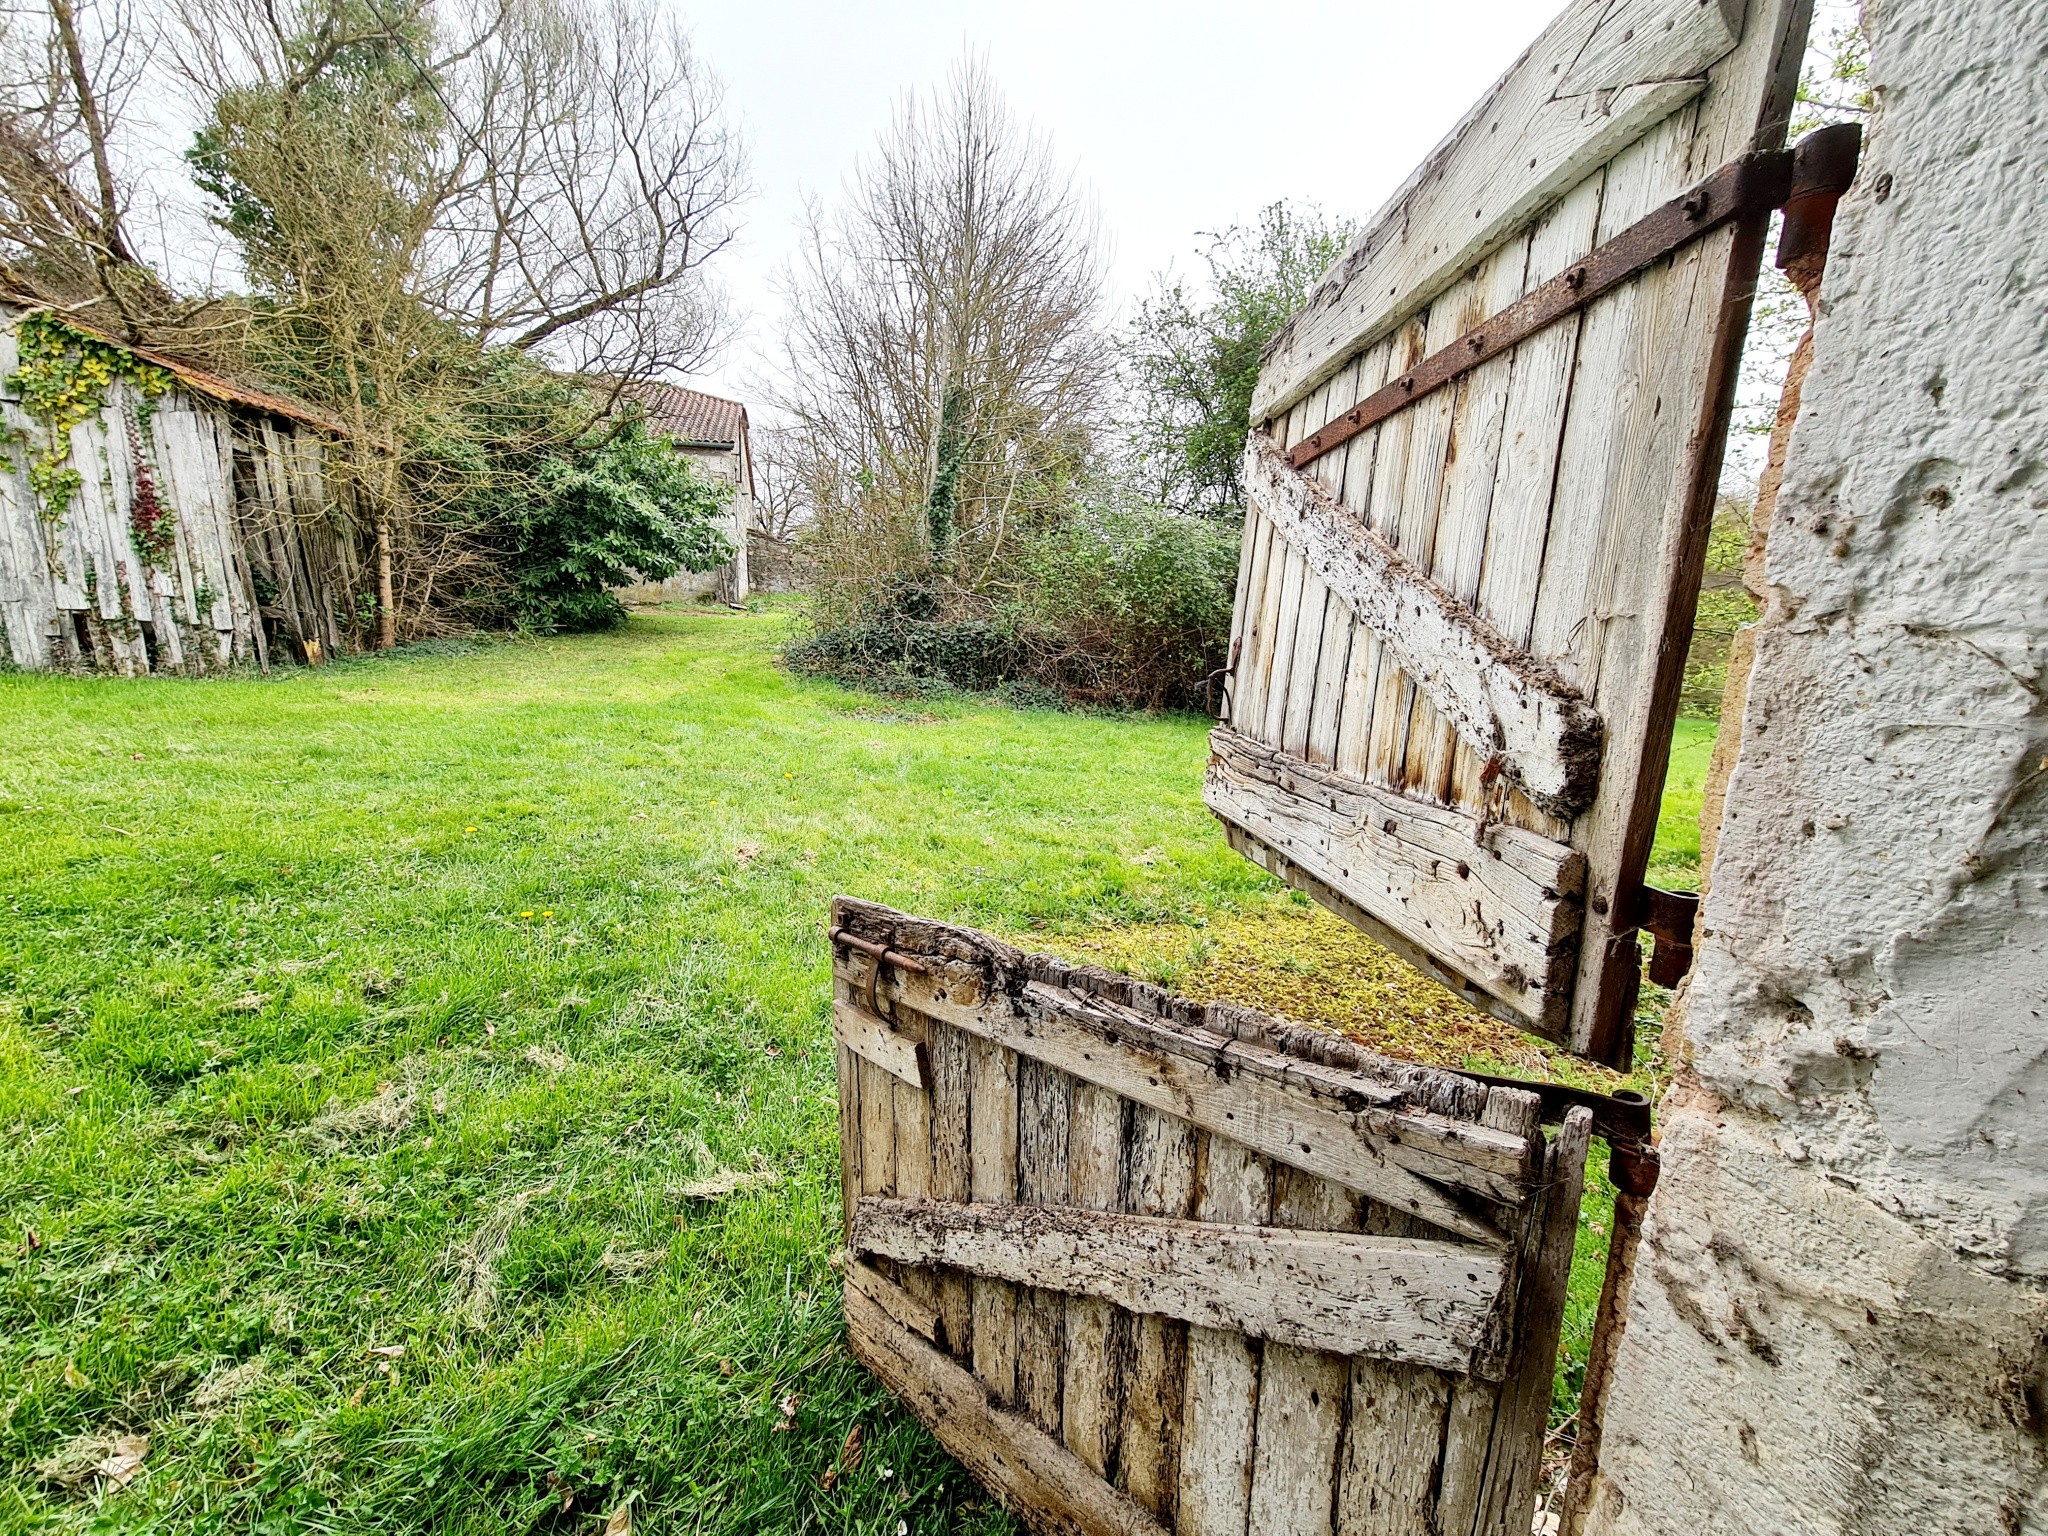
pixel 418 1085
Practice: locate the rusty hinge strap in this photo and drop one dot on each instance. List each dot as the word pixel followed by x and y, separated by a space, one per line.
pixel 1750 186
pixel 1823 166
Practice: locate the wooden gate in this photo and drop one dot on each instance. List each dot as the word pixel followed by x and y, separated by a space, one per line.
pixel 1144 1265
pixel 1479 497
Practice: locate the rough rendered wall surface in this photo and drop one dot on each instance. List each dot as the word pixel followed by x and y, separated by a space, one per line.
pixel 1840 1317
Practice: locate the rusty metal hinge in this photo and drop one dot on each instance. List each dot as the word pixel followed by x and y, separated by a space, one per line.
pixel 1815 174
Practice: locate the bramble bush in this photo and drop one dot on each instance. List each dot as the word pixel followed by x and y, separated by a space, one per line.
pixel 1115 606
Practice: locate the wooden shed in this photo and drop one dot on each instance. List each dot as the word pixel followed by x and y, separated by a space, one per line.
pixel 184 523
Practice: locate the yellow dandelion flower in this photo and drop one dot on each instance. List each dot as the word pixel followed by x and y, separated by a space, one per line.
pixel 526 914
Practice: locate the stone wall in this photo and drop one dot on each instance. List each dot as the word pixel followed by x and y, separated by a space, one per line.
pixel 1840 1316
pixel 776 565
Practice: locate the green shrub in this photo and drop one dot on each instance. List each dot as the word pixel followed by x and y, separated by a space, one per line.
pixel 1127 606
pixel 909 638
pixel 629 509
pixel 1115 606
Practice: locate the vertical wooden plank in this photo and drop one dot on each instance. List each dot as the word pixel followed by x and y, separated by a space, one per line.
pixel 1091 1408
pixel 1334 648
pixel 1474 1406
pixel 914 1173
pixel 1286 617
pixel 1270 601
pixel 1516 1457
pixel 1307 659
pixel 1393 1443
pixel 1221 1417
pixel 1159 1180
pixel 849 1136
pixel 1247 683
pixel 952 1168
pixel 992 1129
pixel 1301 1391
pixel 877 1129
pixel 1240 606
pixel 1044 1102
pixel 1472 450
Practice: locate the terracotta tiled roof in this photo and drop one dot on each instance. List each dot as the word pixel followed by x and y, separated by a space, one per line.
pixel 687 416
pixel 199 380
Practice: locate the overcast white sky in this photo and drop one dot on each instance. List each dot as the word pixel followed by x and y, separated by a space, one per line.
pixel 1181 117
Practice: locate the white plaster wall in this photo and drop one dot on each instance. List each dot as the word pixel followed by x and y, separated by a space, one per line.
pixel 1839 1318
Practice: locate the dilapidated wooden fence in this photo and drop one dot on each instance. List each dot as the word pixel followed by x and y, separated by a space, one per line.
pixel 1145 1265
pixel 1479 499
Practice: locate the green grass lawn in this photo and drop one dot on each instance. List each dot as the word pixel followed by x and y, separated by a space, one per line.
pixel 375 1044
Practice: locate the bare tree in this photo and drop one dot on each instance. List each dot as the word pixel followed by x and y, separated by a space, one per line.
pixel 597 180
pixel 68 69
pixel 787 473
pixel 943 351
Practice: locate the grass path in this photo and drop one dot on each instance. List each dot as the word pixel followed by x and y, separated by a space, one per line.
pixel 417 1080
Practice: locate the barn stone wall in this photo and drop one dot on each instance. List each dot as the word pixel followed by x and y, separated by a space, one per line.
pixel 1840 1317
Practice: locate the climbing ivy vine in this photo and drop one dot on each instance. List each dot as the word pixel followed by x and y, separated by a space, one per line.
pixel 63 379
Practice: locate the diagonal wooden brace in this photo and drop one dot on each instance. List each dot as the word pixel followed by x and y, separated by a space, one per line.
pixel 1505 704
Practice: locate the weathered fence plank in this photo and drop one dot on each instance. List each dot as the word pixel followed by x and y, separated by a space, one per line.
pixel 1401 1298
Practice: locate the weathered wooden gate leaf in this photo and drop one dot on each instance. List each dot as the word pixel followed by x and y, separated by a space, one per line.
pixel 1070 1260
pixel 1482 597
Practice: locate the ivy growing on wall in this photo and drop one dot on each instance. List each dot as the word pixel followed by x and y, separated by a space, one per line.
pixel 64 378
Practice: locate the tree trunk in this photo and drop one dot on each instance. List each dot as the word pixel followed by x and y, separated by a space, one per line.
pixel 387 607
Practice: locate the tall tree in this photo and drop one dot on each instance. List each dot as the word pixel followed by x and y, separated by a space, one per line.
pixel 68 70
pixel 943 347
pixel 1192 353
pixel 410 183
